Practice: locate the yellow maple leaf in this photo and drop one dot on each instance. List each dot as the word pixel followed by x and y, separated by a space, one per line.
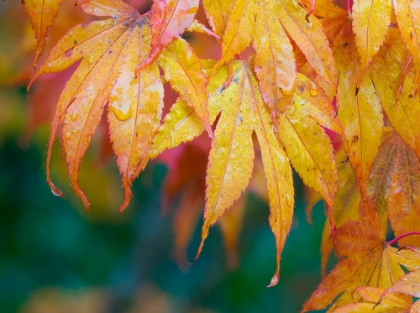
pixel 400 106
pixel 359 109
pixel 370 26
pixel 370 297
pixel 243 112
pixel 274 61
pixel 299 127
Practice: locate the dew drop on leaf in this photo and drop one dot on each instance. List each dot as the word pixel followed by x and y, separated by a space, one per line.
pixel 67 135
pixel 56 192
pixel 313 91
pixel 73 116
pixel 287 92
pixel 122 116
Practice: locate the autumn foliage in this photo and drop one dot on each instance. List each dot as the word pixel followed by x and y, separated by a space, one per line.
pixel 292 78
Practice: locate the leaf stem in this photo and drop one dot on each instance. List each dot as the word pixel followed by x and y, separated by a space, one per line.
pixel 391 242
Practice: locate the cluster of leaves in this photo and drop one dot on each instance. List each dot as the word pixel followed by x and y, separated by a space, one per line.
pixel 309 77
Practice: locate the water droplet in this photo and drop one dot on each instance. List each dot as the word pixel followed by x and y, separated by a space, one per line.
pixel 287 92
pixel 67 135
pixel 355 138
pixel 122 116
pixel 313 91
pixel 73 116
pixel 56 192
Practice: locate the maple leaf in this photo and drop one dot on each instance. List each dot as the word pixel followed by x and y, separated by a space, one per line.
pixel 370 25
pixel 401 108
pixel 395 169
pixel 41 14
pixel 229 170
pixel 299 127
pixel 395 187
pixel 231 157
pixel 274 61
pixel 370 261
pixel 110 50
pixel 359 112
pixel 232 153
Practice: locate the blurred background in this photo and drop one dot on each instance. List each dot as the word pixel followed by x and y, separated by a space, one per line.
pixel 55 257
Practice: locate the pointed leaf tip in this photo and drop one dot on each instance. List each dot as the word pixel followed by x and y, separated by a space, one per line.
pixel 199 249
pixel 127 198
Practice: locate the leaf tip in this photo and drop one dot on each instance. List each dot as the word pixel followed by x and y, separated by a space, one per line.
pixel 199 251
pixel 127 197
pixel 85 203
pixel 209 130
pixel 204 234
pixel 79 192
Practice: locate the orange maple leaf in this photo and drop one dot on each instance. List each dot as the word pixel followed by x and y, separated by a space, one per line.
pixel 110 50
pixel 394 187
pixel 369 261
pixel 41 14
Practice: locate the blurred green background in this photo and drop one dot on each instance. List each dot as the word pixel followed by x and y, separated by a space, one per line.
pixel 54 257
